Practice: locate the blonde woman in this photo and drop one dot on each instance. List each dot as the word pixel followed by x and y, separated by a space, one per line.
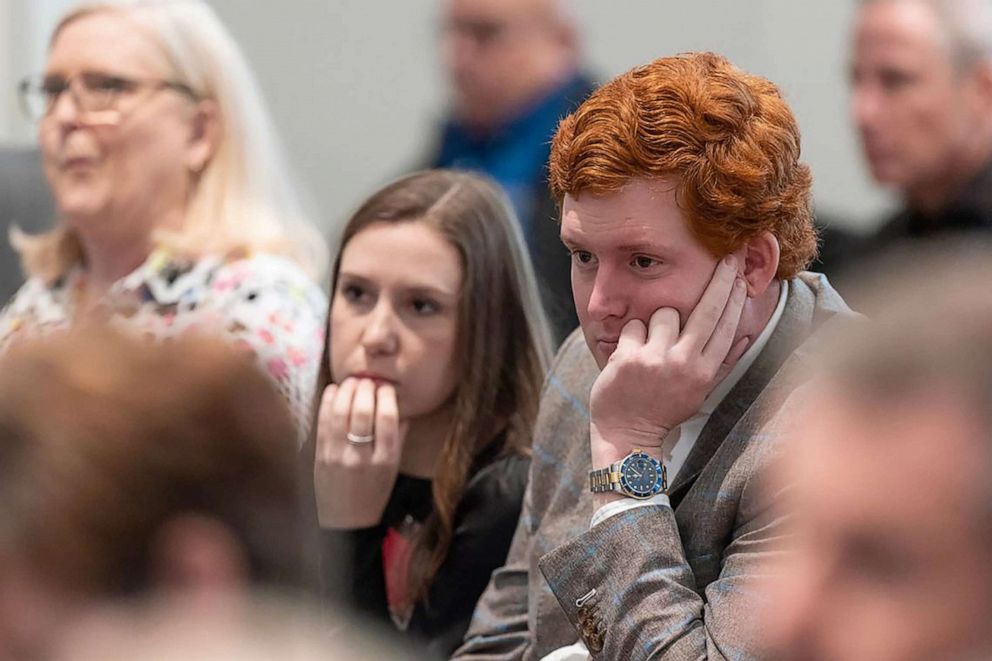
pixel 174 208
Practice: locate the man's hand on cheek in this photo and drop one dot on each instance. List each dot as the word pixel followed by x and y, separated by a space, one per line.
pixel 658 377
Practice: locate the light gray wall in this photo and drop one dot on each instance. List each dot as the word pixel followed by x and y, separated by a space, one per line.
pixel 355 87
pixel 359 80
pixel 24 29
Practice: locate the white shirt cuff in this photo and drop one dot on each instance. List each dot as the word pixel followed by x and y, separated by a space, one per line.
pixel 576 652
pixel 619 506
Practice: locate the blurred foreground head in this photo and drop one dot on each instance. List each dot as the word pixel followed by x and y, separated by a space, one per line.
pixel 889 479
pixel 128 469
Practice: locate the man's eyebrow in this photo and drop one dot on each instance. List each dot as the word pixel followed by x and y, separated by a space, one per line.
pixel 643 246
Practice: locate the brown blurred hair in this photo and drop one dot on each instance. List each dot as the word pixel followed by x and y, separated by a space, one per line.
pixel 112 437
pixel 728 136
pixel 503 341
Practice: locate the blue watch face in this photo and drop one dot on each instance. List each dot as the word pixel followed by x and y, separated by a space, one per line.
pixel 641 475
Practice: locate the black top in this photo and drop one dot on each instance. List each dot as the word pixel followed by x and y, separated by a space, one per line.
pixel 969 211
pixel 485 520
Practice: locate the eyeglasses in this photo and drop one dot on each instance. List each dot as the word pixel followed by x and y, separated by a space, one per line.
pixel 93 92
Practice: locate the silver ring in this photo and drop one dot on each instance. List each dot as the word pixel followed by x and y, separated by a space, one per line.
pixel 355 439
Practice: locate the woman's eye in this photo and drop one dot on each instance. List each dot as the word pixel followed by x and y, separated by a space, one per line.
pixel 424 306
pixel 103 84
pixel 52 87
pixel 353 293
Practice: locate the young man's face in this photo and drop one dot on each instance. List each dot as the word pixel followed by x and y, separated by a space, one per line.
pixel 632 253
pixel 889 511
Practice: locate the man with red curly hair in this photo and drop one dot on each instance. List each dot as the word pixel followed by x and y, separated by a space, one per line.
pixel 687 213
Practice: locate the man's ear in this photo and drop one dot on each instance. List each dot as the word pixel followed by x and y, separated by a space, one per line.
pixel 760 255
pixel 204 135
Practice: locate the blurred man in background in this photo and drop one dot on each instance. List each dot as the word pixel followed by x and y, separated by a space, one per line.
pixel 922 104
pixel 514 72
pixel 890 501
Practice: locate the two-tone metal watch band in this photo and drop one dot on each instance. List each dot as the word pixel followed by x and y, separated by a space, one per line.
pixel 605 479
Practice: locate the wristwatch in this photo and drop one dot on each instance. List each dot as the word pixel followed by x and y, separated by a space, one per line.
pixel 638 475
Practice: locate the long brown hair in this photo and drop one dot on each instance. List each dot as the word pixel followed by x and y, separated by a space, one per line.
pixel 503 340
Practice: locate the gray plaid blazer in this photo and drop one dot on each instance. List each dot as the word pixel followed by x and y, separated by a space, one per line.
pixel 670 583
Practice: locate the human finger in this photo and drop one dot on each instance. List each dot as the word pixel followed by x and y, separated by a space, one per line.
pixel 706 315
pixel 633 335
pixel 324 412
pixel 721 341
pixel 341 411
pixel 388 440
pixel 663 328
pixel 361 418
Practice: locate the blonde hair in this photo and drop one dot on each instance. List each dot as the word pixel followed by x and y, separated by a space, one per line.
pixel 244 200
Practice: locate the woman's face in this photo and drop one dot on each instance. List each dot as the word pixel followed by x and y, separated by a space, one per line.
pixel 136 160
pixel 394 315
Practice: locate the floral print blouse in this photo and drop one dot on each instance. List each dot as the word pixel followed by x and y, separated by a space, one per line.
pixel 263 303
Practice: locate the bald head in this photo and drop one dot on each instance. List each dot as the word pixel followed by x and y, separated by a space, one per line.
pixel 503 55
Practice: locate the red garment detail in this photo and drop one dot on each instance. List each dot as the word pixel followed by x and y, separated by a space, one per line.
pixel 396 552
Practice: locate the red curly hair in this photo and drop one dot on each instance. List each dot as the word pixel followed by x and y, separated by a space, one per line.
pixel 728 136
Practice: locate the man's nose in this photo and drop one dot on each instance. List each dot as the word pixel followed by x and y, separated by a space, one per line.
pixel 608 297
pixel 865 105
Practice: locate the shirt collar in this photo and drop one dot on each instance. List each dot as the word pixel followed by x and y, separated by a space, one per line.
pixel 744 364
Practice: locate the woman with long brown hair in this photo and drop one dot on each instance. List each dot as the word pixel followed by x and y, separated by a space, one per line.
pixel 436 352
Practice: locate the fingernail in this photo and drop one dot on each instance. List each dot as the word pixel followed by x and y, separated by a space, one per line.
pixel 730 260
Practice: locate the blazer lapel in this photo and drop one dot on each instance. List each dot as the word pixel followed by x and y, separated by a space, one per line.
pixel 793 327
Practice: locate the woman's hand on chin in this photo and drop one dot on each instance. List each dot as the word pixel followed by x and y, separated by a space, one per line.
pixel 358 449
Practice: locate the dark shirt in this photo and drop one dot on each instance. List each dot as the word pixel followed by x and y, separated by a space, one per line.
pixel 969 211
pixel 485 520
pixel 516 156
pixel 851 260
